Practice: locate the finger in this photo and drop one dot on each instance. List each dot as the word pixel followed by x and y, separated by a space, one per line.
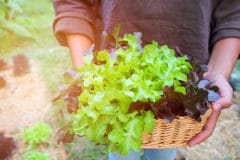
pixel 222 103
pixel 225 92
pixel 207 130
pixel 226 96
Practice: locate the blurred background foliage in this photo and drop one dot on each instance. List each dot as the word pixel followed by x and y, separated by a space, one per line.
pixel 26 28
pixel 13 21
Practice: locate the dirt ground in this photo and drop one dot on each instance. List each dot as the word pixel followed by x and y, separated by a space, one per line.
pixel 22 101
pixel 25 100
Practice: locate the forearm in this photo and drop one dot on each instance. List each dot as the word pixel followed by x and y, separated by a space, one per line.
pixel 77 44
pixel 224 56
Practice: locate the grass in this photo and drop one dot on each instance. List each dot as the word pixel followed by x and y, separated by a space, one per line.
pixel 42 48
pixel 89 151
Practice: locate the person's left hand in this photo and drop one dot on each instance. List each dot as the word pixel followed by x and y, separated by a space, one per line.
pixel 226 92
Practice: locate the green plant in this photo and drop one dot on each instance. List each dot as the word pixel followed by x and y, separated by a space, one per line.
pixel 112 84
pixel 35 155
pixel 85 151
pixel 227 158
pixel 11 18
pixel 116 96
pixel 37 134
pixel 34 136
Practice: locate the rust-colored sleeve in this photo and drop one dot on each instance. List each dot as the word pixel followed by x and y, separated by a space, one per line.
pixel 74 17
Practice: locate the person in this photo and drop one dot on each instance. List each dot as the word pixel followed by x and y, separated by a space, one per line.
pixel 207 31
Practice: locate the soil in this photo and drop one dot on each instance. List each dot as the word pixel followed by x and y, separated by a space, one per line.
pixel 23 103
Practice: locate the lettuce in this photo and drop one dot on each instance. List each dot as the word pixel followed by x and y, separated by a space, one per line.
pixel 112 83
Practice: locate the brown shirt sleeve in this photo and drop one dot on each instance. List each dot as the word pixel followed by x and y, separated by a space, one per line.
pixel 74 17
pixel 226 20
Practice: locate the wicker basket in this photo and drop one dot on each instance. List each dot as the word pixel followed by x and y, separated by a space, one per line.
pixel 175 134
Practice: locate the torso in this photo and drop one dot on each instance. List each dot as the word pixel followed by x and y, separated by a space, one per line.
pixel 185 24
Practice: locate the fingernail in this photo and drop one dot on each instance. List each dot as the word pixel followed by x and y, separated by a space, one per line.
pixel 204 75
pixel 217 107
pixel 190 144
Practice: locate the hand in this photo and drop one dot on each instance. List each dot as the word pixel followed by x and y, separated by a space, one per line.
pixel 78 44
pixel 226 92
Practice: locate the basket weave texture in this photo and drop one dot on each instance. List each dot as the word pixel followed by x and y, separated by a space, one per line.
pixel 174 134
